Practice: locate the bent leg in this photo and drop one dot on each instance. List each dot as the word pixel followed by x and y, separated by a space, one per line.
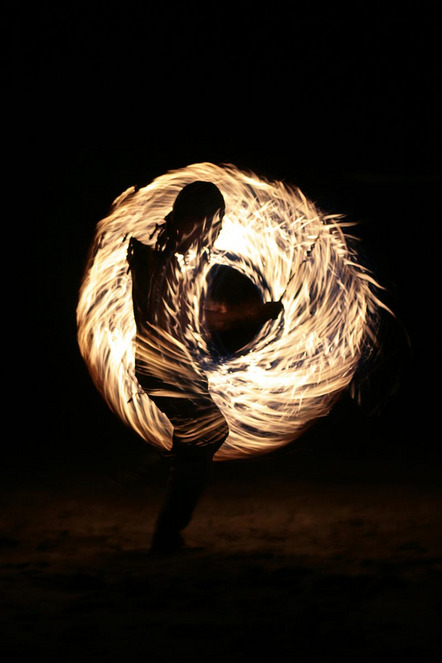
pixel 199 431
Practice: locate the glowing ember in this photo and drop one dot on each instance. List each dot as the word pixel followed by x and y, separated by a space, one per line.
pixel 295 367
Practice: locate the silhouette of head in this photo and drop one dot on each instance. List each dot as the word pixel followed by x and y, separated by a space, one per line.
pixel 196 215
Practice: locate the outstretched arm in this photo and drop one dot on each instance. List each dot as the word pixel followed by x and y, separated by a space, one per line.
pixel 223 318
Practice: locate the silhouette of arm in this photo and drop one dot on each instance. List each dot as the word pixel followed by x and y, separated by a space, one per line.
pixel 221 317
pixel 140 261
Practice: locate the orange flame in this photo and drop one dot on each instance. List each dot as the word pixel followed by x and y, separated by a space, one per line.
pixel 294 369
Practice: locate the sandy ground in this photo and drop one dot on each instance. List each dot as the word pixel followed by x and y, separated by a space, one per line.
pixel 303 559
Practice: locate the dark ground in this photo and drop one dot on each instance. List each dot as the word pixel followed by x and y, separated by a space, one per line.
pixel 329 551
pixel 314 555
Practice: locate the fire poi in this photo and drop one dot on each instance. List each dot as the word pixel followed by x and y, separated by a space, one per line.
pixel 291 370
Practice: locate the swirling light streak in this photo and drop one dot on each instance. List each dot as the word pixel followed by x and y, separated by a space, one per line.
pixel 296 367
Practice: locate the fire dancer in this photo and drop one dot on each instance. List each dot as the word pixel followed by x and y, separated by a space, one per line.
pixel 199 427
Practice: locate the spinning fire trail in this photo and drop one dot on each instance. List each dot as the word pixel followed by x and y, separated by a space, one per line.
pixel 295 367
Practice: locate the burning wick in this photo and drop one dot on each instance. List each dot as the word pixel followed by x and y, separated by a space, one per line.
pixel 295 367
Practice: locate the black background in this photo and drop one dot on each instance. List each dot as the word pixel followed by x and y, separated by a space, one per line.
pixel 342 102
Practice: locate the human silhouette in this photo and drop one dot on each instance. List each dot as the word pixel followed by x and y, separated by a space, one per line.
pixel 181 392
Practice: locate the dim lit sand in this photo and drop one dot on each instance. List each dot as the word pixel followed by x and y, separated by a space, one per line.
pixel 304 557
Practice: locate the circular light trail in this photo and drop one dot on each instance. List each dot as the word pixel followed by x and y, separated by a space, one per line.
pixel 294 369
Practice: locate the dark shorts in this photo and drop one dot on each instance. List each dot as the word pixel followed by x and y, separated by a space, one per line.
pixel 197 422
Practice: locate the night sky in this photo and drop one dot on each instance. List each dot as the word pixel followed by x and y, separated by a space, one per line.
pixel 342 104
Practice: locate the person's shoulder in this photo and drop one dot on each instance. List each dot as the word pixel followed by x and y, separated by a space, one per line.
pixel 141 256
